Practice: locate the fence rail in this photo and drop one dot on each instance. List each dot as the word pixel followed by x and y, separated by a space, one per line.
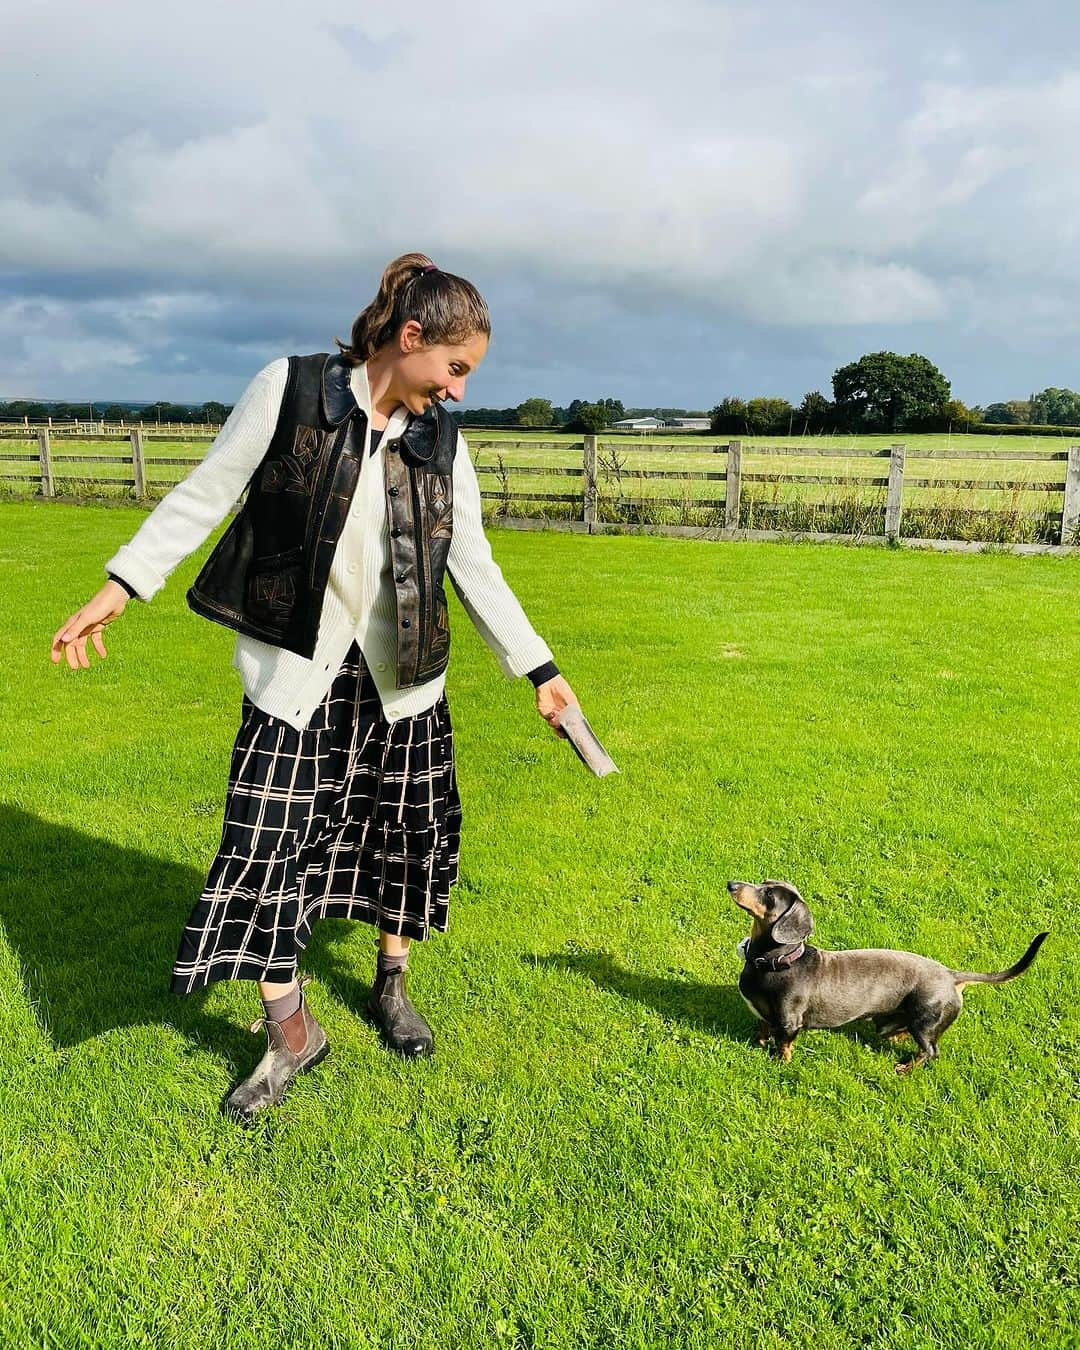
pixel 601 475
pixel 24 427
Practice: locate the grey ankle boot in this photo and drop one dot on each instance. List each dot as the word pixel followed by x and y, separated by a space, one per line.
pixel 267 1083
pixel 400 1025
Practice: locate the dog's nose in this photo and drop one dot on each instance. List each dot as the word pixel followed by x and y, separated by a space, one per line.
pixel 733 886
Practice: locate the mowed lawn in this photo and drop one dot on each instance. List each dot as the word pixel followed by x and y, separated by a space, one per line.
pixel 597 1156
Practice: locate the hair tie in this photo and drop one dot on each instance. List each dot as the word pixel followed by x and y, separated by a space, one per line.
pixel 429 268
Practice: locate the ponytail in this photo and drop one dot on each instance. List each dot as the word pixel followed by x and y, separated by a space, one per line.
pixel 447 307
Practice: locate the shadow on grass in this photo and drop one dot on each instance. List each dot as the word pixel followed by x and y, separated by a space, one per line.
pixel 717 1009
pixel 337 968
pixel 714 1008
pixel 95 928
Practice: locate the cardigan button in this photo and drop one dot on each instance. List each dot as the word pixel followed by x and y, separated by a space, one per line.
pixel 406 623
pixel 393 492
pixel 392 447
pixel 395 533
pixel 401 576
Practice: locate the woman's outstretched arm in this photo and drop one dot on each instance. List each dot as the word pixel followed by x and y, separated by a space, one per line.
pixel 182 520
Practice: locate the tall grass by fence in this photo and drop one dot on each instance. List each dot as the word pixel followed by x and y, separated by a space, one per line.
pixel 600 484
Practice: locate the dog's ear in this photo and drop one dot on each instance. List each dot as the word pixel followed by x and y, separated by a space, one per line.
pixel 793 925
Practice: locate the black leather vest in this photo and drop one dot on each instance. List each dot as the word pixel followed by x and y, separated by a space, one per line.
pixel 267 575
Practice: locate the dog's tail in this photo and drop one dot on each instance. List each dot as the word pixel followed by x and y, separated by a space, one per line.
pixel 963 977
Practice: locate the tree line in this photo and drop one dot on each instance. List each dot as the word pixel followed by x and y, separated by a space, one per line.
pixel 880 392
pixel 141 413
pixel 578 415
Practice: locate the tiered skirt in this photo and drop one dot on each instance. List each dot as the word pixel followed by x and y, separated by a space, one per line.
pixel 352 818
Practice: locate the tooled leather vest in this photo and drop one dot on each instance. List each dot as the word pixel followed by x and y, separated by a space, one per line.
pixel 267 574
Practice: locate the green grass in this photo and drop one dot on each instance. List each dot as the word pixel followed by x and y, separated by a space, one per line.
pixel 597 1156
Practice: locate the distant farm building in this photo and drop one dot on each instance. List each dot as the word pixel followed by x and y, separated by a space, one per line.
pixel 638 424
pixel 656 423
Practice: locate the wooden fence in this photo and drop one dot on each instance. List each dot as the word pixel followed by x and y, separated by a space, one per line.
pixel 20 428
pixel 581 508
pixel 894 477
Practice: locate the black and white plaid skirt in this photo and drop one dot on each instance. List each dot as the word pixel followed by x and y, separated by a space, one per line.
pixel 352 818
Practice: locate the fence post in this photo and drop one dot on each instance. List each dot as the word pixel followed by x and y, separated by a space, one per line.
pixel 588 514
pixel 48 487
pixel 732 485
pixel 138 463
pixel 1070 509
pixel 894 501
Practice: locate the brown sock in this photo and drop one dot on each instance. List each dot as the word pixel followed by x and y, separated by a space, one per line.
pixel 277 1009
pixel 399 962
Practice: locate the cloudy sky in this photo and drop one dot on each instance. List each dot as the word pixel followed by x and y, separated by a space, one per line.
pixel 662 203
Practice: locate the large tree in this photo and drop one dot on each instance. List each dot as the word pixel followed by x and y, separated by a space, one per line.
pixel 590 417
pixel 815 413
pixel 769 417
pixel 957 416
pixel 886 392
pixel 593 417
pixel 1057 407
pixel 535 412
pixel 729 415
pixel 758 417
pixel 1002 414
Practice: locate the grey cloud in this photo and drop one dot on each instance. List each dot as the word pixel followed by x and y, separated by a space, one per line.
pixel 368 52
pixel 688 198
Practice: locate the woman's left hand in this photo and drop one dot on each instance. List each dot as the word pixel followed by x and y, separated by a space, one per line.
pixel 551 698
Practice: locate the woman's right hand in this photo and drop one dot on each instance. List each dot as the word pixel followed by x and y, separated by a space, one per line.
pixel 89 622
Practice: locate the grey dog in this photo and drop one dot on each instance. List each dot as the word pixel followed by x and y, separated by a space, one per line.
pixel 794 987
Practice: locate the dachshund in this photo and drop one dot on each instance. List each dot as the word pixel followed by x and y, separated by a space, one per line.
pixel 794 987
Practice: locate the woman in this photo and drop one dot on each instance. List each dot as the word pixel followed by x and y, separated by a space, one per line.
pixel 342 797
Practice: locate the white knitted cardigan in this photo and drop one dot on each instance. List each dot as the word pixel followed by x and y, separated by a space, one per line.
pixel 360 597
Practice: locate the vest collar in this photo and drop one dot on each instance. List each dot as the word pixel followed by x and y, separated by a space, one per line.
pixel 338 400
pixel 345 391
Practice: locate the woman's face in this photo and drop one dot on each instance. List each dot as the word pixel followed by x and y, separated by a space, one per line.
pixel 425 373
